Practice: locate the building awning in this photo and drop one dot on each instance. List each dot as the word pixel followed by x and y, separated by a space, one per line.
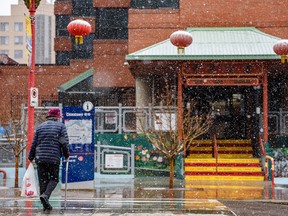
pixel 64 87
pixel 237 43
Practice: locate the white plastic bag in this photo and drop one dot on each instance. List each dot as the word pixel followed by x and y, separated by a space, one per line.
pixel 29 183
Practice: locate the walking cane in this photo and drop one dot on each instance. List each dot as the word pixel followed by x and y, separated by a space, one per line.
pixel 66 177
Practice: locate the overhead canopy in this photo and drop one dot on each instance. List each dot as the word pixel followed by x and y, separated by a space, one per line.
pixel 239 43
pixel 71 83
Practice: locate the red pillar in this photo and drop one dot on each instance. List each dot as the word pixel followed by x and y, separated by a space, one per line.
pixel 265 105
pixel 31 83
pixel 180 107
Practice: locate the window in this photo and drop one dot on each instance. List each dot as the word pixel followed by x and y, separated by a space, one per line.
pixel 62 58
pixel 18 26
pixel 62 22
pixel 6 52
pixel 4 26
pixel 112 23
pixel 18 54
pixel 4 40
pixel 154 4
pixel 79 10
pixel 18 40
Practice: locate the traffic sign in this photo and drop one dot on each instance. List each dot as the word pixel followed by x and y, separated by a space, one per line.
pixel 34 97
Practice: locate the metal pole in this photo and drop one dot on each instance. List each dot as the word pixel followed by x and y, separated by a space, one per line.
pixel 31 81
pixel 133 159
pixel 66 180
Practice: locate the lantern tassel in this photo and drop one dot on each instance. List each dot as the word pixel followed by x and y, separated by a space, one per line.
pixel 181 50
pixel 78 39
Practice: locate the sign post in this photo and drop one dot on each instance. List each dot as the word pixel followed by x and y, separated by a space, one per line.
pixel 80 128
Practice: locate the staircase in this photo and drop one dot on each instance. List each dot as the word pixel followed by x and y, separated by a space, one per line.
pixel 235 169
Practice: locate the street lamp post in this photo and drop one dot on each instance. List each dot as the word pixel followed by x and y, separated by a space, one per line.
pixel 32 6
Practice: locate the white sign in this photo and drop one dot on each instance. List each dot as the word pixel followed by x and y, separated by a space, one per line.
pixel 34 97
pixel 114 161
pixel 165 121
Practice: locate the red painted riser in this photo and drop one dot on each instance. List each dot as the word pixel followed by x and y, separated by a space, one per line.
pixel 222 164
pixel 226 173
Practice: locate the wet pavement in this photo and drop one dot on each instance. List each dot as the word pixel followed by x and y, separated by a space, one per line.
pixel 151 196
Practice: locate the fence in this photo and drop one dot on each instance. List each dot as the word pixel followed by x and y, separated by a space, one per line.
pixel 120 120
pixel 278 122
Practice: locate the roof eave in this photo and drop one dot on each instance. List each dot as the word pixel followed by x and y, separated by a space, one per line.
pixel 202 57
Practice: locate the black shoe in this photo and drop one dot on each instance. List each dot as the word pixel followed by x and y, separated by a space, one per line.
pixel 45 202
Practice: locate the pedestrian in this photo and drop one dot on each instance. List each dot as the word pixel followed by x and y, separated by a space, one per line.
pixel 49 144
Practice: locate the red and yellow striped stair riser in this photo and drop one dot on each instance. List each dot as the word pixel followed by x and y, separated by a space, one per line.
pixel 235 164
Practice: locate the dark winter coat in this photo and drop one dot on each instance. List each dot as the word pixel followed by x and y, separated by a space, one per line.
pixel 50 142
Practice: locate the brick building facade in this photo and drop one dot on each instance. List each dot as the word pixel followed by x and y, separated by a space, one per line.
pixel 120 27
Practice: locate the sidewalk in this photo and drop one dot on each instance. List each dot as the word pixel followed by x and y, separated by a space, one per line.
pixel 144 196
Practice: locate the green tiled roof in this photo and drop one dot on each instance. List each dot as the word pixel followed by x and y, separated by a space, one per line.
pixel 243 43
pixel 76 80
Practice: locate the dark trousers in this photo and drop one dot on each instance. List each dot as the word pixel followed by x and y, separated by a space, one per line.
pixel 48 175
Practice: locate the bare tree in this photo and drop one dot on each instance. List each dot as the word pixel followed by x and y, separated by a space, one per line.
pixel 15 137
pixel 165 136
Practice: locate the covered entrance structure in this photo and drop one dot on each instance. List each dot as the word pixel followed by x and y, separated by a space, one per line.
pixel 224 71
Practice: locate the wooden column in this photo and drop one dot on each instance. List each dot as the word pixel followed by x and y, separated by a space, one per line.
pixel 265 105
pixel 180 107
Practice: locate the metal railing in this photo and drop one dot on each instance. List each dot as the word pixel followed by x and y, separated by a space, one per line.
pixel 215 152
pixel 7 159
pixel 278 122
pixel 119 119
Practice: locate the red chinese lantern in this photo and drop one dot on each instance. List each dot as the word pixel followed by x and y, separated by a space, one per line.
pixel 281 48
pixel 79 28
pixel 181 39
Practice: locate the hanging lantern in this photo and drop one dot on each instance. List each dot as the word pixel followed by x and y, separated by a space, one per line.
pixel 79 28
pixel 281 48
pixel 29 4
pixel 181 39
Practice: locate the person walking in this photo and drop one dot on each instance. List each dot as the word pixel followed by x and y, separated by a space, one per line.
pixel 49 144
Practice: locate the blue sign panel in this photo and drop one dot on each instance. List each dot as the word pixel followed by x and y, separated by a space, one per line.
pixel 80 128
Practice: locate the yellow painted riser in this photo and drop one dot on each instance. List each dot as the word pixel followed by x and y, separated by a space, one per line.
pixel 200 155
pixel 223 141
pixel 235 156
pixel 222 169
pixel 221 160
pixel 200 148
pixel 235 149
pixel 224 194
pixel 224 178
pixel 221 156
pixel 202 142
pixel 234 142
pixel 237 187
pixel 206 206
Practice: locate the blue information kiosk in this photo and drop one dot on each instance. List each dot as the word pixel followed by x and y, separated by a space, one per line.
pixel 79 122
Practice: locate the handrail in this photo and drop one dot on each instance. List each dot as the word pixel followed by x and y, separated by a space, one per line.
pixel 263 151
pixel 272 169
pixel 216 152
